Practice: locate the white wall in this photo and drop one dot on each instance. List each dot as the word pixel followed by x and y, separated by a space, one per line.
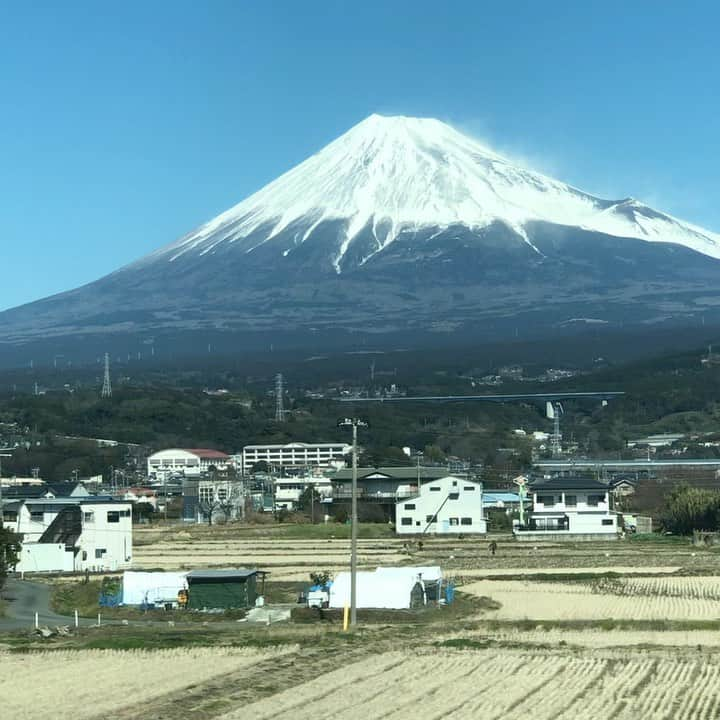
pixel 463 514
pixel 99 533
pixel 44 557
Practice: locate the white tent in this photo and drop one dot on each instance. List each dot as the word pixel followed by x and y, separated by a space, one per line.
pixel 145 588
pixel 428 573
pixel 389 588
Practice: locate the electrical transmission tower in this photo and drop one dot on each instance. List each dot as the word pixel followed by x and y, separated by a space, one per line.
pixel 279 407
pixel 556 439
pixel 106 391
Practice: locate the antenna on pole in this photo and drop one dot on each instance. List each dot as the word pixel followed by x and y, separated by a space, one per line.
pixel 279 407
pixel 106 391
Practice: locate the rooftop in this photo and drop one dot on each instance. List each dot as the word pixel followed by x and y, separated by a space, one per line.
pixel 210 575
pixel 395 473
pixel 208 453
pixel 568 483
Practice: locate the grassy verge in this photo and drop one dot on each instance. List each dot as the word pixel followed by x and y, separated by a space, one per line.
pixel 3 607
pixel 602 625
pixel 66 597
pixel 463 606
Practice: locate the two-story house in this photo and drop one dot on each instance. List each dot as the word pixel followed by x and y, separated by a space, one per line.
pixel 71 534
pixel 446 505
pixel 575 508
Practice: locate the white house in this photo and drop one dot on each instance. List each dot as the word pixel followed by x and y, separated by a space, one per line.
pixel 186 462
pixel 295 454
pixel 446 505
pixel 72 534
pixel 569 508
pixel 289 489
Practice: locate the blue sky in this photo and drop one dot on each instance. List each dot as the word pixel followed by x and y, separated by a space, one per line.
pixel 124 125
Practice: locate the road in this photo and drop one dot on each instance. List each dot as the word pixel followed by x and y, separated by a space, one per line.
pixel 24 598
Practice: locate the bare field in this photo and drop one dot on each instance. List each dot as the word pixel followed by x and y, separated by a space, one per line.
pixel 527 600
pixel 500 684
pixel 592 638
pixel 35 686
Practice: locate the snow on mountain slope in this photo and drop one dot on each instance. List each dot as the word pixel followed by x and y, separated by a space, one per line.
pixel 394 174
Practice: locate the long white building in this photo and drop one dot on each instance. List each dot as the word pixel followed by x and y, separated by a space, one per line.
pixel 184 462
pixel 295 455
pixel 71 534
pixel 448 505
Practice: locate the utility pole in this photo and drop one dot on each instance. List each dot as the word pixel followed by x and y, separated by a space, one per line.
pixel 2 455
pixel 354 423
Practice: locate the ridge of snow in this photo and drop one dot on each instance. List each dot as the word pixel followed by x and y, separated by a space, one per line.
pixel 407 173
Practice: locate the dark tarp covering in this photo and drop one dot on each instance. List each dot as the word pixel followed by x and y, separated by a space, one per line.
pixel 222 592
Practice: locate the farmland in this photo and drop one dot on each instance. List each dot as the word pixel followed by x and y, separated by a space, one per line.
pixel 501 684
pixel 119 678
pixel 623 629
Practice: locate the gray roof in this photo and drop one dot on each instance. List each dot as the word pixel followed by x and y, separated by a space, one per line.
pixel 568 483
pixel 396 473
pixel 210 575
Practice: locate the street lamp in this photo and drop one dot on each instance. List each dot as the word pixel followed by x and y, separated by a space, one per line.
pixel 354 423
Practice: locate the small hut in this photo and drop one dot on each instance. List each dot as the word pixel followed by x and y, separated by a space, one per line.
pixel 222 589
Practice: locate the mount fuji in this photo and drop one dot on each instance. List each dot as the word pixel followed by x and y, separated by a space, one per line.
pixel 400 225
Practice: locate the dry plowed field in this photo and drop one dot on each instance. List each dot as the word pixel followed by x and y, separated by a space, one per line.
pixel 35 686
pixel 663 598
pixel 502 684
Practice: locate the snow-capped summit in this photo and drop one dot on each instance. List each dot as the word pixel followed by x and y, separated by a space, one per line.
pixel 403 227
pixel 387 175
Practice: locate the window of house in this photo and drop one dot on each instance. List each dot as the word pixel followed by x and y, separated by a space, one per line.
pixel 434 489
pixel 454 483
pixel 99 552
pixel 205 494
pixel 571 500
pixel 89 517
pixel 222 494
pixel 406 521
pixel 468 488
pixel 466 521
pixel 454 521
pixel 417 522
pixel 431 518
pixel 546 499
pixel 453 496
pixel 409 506
pixel 595 500
pixel 84 554
pixel 608 521
pixel 36 515
pixel 113 516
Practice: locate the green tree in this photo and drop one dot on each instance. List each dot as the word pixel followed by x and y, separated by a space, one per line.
pixel 690 508
pixel 309 499
pixel 9 552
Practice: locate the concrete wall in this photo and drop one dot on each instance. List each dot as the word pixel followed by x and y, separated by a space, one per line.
pixel 44 557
